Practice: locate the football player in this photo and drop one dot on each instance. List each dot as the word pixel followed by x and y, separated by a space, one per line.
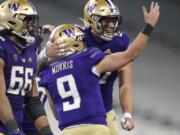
pixel 18 63
pixel 28 126
pixel 103 23
pixel 103 30
pixel 73 82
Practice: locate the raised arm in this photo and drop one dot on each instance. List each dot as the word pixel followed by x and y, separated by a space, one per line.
pixel 117 60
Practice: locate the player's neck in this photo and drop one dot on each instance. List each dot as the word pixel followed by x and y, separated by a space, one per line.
pixel 17 42
pixel 96 37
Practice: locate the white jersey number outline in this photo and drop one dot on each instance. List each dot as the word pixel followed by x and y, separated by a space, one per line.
pixel 22 83
pixel 72 92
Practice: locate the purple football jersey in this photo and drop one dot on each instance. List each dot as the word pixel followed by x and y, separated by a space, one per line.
pixel 74 89
pixel 117 44
pixel 28 125
pixel 18 72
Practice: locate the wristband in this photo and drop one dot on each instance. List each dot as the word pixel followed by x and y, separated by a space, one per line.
pixel 12 126
pixel 127 115
pixel 19 132
pixel 147 30
pixel 46 130
pixel 34 107
pixel 43 56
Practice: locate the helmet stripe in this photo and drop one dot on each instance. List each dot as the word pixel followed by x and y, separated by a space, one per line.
pixel 110 3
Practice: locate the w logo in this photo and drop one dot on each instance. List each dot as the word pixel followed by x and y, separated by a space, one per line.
pixel 14 6
pixel 70 32
pixel 91 8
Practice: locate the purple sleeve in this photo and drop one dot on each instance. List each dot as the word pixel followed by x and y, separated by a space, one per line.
pixel 43 79
pixel 37 43
pixel 95 55
pixel 122 41
pixel 2 52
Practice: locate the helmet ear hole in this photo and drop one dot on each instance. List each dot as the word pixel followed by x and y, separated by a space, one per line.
pixel 76 45
pixel 12 23
pixel 26 9
pixel 90 21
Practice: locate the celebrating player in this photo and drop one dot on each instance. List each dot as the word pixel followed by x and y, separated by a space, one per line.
pixel 73 82
pixel 18 29
pixel 28 126
pixel 103 23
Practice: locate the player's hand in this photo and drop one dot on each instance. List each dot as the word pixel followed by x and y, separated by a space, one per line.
pixel 152 16
pixel 54 49
pixel 127 123
pixel 47 29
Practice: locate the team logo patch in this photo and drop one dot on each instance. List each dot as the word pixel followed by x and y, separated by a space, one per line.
pixel 29 59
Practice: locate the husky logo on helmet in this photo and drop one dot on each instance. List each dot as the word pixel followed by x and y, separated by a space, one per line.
pixel 70 32
pixel 90 8
pixel 71 35
pixel 13 6
pixel 97 10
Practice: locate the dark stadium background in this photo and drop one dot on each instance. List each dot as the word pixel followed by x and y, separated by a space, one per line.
pixel 156 75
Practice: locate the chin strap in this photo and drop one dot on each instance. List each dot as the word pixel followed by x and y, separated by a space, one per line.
pixel 106 38
pixel 28 39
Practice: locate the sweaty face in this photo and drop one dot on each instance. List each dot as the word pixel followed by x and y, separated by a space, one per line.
pixel 108 25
